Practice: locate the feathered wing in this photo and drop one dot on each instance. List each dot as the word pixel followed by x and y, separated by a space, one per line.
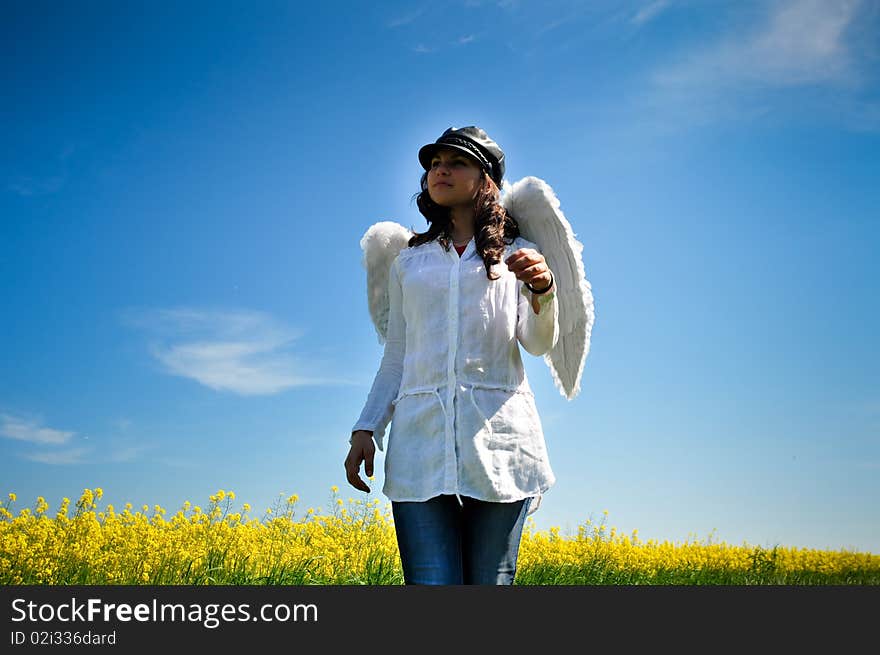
pixel 534 205
pixel 380 245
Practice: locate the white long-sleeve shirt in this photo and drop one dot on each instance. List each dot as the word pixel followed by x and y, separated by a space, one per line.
pixel 451 377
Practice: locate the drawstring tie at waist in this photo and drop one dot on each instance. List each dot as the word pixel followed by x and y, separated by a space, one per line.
pixel 470 386
pixel 535 501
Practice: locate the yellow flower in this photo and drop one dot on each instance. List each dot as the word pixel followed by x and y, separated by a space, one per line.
pixel 12 497
pixel 123 548
pixel 87 498
pixel 334 488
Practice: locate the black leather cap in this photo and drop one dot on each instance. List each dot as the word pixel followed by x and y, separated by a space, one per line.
pixel 472 141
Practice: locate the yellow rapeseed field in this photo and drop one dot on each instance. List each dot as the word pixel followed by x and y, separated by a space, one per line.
pixel 355 544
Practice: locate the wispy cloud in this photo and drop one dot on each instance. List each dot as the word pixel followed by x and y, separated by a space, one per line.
pixel 501 4
pixel 650 11
pixel 123 446
pixel 799 42
pixel 804 54
pixel 465 39
pixel 584 22
pixel 559 21
pixel 129 453
pixel 59 457
pixel 32 431
pixel 407 18
pixel 244 352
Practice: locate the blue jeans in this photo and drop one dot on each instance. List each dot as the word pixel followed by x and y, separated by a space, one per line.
pixel 444 542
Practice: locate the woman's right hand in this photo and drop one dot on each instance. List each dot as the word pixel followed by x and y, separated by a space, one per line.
pixel 362 450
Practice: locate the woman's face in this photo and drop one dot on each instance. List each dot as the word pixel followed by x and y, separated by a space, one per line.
pixel 453 178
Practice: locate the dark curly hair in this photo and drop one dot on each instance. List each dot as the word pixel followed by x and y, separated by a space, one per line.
pixel 494 227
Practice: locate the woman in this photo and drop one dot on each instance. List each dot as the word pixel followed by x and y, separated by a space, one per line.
pixel 466 457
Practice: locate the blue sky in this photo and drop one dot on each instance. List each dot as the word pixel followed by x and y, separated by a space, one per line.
pixel 184 188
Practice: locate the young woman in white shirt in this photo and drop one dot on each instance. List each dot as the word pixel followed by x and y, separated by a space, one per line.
pixel 466 457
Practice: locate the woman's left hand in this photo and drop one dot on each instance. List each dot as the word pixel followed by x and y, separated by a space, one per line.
pixel 530 266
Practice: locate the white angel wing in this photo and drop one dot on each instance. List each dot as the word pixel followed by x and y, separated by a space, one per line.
pixel 380 245
pixel 534 205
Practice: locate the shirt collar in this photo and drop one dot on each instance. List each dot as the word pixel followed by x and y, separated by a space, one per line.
pixel 470 248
